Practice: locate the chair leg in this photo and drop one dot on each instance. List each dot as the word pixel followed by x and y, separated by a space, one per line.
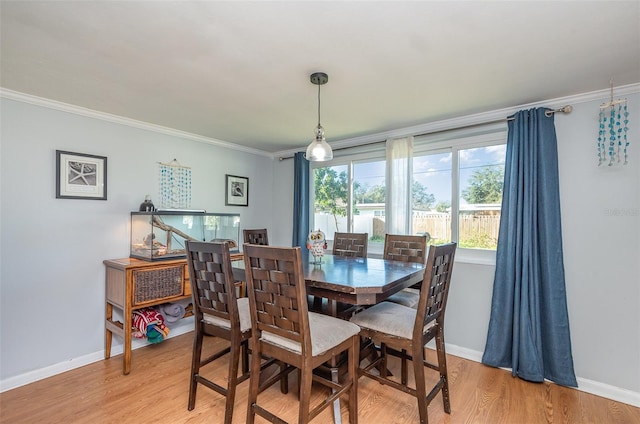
pixel 195 369
pixel 404 374
pixel 383 361
pixel 306 375
pixel 354 360
pixel 234 358
pixel 421 386
pixel 254 383
pixel 284 381
pixel 244 355
pixel 442 365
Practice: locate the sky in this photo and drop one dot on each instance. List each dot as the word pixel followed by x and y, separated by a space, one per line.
pixel 434 170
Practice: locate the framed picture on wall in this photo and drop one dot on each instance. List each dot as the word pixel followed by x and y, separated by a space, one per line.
pixel 237 193
pixel 80 176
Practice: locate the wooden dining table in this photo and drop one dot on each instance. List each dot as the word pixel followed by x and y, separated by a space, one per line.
pixel 358 281
pixel 354 281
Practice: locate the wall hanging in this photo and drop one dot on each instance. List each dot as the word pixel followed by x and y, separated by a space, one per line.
pixel 80 176
pixel 175 185
pixel 612 137
pixel 237 191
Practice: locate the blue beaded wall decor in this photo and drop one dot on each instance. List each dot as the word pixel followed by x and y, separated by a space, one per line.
pixel 612 136
pixel 175 185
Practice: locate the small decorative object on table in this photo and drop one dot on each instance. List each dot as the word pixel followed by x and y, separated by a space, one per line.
pixel 316 243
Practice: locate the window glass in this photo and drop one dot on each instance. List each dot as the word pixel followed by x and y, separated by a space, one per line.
pixel 331 197
pixel 481 179
pixel 431 196
pixel 369 202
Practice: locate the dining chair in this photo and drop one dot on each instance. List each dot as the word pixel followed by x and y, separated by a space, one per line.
pixel 282 328
pixel 256 236
pixel 397 328
pixel 406 248
pixel 253 236
pixel 350 244
pixel 217 313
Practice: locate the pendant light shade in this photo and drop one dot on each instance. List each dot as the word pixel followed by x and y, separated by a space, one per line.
pixel 319 150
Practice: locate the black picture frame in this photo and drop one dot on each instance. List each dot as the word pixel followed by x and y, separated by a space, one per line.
pixel 80 176
pixel 236 190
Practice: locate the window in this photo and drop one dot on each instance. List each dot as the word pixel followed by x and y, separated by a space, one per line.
pixel 364 183
pixel 456 192
pixel 481 175
pixel 431 195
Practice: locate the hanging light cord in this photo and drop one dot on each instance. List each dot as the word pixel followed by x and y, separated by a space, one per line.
pixel 319 105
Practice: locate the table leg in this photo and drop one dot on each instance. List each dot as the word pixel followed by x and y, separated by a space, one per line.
pixel 126 354
pixel 108 335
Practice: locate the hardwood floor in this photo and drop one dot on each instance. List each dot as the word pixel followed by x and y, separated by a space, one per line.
pixel 157 388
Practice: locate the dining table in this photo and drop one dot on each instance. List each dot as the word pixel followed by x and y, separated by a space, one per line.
pixel 352 281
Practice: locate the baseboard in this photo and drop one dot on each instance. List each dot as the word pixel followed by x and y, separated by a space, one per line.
pixel 610 392
pixel 184 326
pixel 585 385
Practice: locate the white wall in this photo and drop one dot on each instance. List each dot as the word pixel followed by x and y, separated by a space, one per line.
pixel 601 240
pixel 52 285
pixel 52 276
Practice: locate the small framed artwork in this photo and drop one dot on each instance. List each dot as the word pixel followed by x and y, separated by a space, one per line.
pixel 80 176
pixel 237 193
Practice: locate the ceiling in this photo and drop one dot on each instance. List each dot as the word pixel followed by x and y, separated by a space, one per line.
pixel 238 71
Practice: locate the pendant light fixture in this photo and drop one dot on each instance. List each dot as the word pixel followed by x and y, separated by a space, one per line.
pixel 319 150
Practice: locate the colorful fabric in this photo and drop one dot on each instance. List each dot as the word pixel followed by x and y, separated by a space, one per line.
pixel 148 323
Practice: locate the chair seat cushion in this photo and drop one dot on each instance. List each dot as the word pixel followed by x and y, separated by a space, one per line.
pixel 243 311
pixel 326 332
pixel 389 318
pixel 407 297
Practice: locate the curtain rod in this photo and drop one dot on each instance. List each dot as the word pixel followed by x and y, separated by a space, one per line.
pixel 548 114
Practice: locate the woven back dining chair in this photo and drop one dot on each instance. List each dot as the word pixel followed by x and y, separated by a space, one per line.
pixel 256 236
pixel 398 329
pixel 282 328
pixel 406 249
pixel 217 313
pixel 350 244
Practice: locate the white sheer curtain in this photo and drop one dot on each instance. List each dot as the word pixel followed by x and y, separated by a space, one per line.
pixel 398 185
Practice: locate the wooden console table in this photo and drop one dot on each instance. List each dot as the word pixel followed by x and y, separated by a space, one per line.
pixel 132 284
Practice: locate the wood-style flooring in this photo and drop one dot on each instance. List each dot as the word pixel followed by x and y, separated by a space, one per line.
pixel 156 392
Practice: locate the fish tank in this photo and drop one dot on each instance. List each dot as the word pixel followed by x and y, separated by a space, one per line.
pixel 161 235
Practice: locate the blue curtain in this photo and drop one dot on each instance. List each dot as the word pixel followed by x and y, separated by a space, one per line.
pixel 529 325
pixel 300 200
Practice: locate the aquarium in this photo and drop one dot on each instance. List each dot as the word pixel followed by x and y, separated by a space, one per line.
pixel 161 234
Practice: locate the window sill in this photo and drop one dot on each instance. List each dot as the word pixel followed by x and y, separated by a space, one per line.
pixel 468 256
pixel 476 256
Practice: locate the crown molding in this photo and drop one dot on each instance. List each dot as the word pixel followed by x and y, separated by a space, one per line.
pixel 426 128
pixel 470 120
pixel 69 108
